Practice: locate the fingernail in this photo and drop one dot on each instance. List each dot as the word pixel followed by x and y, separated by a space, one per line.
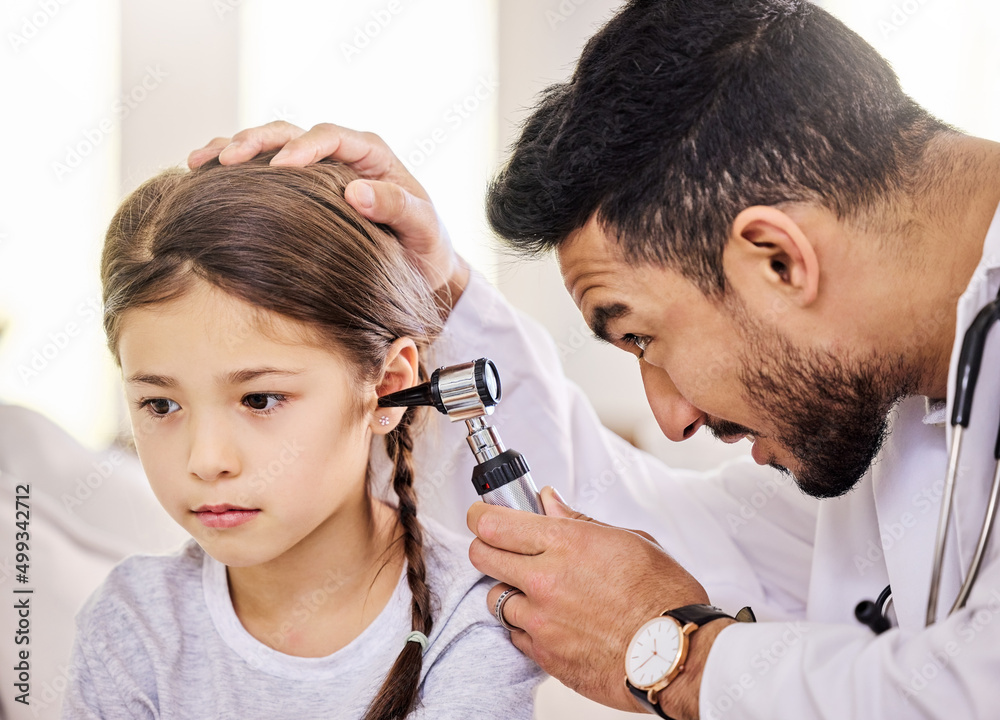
pixel 559 497
pixel 365 194
pixel 230 146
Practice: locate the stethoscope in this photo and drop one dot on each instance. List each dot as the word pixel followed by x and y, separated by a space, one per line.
pixel 876 615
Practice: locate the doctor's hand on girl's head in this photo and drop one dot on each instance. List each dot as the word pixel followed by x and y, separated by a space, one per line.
pixel 387 192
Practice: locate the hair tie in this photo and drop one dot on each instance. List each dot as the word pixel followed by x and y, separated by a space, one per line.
pixel 418 637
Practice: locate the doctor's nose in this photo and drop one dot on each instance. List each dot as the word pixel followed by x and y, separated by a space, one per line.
pixel 678 419
pixel 213 454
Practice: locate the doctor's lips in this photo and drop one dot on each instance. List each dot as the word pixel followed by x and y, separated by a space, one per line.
pixel 728 432
pixel 225 516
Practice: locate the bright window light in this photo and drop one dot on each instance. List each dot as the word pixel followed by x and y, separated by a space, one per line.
pixel 60 187
pixel 421 75
pixel 945 53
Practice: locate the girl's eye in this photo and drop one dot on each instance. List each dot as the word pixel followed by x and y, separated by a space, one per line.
pixel 160 406
pixel 263 402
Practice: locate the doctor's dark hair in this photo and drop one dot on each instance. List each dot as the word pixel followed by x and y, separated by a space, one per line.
pixel 682 113
pixel 285 240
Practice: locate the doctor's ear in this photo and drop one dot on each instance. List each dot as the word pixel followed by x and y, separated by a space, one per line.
pixel 400 370
pixel 770 258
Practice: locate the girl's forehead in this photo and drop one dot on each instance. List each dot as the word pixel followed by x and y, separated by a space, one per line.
pixel 221 316
pixel 210 327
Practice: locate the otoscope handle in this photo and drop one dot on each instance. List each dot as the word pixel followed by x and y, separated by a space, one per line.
pixel 505 480
pixel 520 494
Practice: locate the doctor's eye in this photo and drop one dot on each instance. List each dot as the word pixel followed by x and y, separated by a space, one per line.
pixel 159 407
pixel 263 403
pixel 639 341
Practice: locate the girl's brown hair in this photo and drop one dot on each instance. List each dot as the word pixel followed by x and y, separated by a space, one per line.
pixel 285 240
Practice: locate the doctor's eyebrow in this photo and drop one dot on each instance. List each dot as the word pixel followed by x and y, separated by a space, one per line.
pixel 604 314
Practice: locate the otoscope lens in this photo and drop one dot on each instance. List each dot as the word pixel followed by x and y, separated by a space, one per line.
pixel 487 382
pixel 491 380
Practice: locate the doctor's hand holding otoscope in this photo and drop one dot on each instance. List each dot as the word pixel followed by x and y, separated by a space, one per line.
pixel 470 392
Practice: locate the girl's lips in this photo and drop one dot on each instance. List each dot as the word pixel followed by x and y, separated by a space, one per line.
pixel 224 516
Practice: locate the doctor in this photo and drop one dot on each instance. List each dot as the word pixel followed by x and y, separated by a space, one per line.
pixel 743 198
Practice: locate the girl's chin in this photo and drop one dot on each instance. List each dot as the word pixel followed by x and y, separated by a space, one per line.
pixel 236 553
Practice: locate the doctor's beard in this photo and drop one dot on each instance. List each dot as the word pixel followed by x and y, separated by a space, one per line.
pixel 831 414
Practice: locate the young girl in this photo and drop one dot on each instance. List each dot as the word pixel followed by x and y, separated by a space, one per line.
pixel 257 318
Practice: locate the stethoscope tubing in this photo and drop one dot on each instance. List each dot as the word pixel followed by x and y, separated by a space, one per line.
pixel 984 538
pixel 970 359
pixel 943 521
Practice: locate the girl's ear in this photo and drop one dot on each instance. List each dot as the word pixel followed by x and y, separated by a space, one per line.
pixel 401 370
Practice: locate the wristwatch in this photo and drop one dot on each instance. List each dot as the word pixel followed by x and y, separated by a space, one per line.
pixel 658 650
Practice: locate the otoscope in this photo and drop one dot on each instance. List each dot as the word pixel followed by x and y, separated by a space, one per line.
pixel 470 392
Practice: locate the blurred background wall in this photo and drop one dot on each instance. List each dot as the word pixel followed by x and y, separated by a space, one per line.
pixel 99 95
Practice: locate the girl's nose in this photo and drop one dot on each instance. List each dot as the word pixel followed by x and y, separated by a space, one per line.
pixel 213 454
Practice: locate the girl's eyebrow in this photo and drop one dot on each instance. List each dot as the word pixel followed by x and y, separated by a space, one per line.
pixel 236 377
pixel 158 380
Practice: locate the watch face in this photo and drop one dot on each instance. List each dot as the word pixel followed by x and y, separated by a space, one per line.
pixel 653 652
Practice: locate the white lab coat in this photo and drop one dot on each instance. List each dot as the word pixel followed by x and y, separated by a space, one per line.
pixel 752 538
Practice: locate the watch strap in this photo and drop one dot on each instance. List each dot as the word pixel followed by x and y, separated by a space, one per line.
pixel 697 614
pixel 643 697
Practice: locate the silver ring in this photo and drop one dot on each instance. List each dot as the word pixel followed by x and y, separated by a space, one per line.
pixel 501 601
